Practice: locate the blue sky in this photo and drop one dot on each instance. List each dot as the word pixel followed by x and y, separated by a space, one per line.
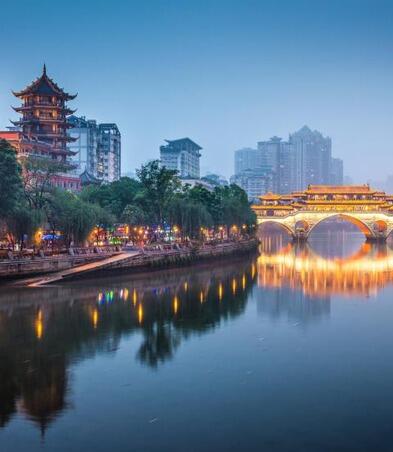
pixel 225 73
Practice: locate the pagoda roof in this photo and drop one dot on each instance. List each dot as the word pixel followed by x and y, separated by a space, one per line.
pixel 270 197
pixel 87 178
pixel 339 189
pixel 45 86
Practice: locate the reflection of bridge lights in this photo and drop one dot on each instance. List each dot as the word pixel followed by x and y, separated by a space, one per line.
pixel 362 273
pixel 220 291
pixel 252 271
pixel 185 286
pixel 201 296
pixel 244 282
pixel 125 294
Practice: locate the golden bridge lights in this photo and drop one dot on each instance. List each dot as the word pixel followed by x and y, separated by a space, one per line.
pixel 201 297
pixel 300 212
pixel 244 281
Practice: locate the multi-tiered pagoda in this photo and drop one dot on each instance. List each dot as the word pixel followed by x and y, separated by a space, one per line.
pixel 43 125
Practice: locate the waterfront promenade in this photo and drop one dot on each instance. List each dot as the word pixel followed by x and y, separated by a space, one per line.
pixel 48 270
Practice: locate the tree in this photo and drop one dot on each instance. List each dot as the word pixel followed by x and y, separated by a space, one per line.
pixel 133 215
pixel 37 175
pixel 158 186
pixel 10 179
pixel 22 221
pixel 113 197
pixel 72 216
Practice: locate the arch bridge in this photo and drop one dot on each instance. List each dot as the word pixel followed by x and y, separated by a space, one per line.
pixel 300 212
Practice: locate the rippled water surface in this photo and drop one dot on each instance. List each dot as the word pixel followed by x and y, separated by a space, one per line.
pixel 288 350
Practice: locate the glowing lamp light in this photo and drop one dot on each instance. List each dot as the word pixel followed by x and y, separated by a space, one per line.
pixel 39 328
pixel 220 291
pixel 175 304
pixel 95 318
pixel 234 286
pixel 134 297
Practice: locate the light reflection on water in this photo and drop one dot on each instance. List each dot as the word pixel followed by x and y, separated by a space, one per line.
pixel 261 340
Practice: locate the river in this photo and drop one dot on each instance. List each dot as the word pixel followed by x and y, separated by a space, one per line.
pixel 287 350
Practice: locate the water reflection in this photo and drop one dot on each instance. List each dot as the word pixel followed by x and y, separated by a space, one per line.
pixel 43 332
pixel 366 269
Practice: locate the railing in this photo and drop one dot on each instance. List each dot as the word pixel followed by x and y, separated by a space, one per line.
pixel 337 212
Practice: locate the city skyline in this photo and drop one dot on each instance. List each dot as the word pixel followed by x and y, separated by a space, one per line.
pixel 227 83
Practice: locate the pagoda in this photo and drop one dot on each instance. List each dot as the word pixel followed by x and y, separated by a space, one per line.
pixel 44 118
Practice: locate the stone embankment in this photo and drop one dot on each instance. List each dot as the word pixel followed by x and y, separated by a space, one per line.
pixel 55 269
pixel 181 256
pixel 15 266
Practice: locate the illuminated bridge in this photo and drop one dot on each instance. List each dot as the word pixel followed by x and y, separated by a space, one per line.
pixel 300 212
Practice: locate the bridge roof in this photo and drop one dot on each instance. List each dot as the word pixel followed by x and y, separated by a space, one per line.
pixel 270 196
pixel 340 189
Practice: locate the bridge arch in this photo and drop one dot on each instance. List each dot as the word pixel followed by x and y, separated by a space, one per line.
pixel 363 227
pixel 277 224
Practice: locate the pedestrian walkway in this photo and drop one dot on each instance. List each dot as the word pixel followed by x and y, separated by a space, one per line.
pixel 86 268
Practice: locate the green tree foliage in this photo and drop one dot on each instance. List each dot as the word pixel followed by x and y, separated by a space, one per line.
pixel 158 187
pixel 113 197
pixel 74 217
pixel 10 179
pixel 134 215
pixel 38 173
pixel 22 221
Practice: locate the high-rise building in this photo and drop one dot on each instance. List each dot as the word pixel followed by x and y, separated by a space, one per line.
pixel 42 129
pixel 254 182
pixel 252 173
pixel 183 156
pixel 85 134
pixel 109 153
pixel 286 166
pixel 96 148
pixel 248 159
pixel 311 158
pixel 336 171
pixel 277 155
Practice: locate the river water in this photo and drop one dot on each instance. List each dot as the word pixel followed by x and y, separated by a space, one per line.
pixel 288 350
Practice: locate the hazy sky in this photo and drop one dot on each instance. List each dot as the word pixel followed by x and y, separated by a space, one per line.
pixel 224 73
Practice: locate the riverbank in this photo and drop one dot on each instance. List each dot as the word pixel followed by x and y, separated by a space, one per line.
pixel 180 256
pixel 40 272
pixel 29 266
